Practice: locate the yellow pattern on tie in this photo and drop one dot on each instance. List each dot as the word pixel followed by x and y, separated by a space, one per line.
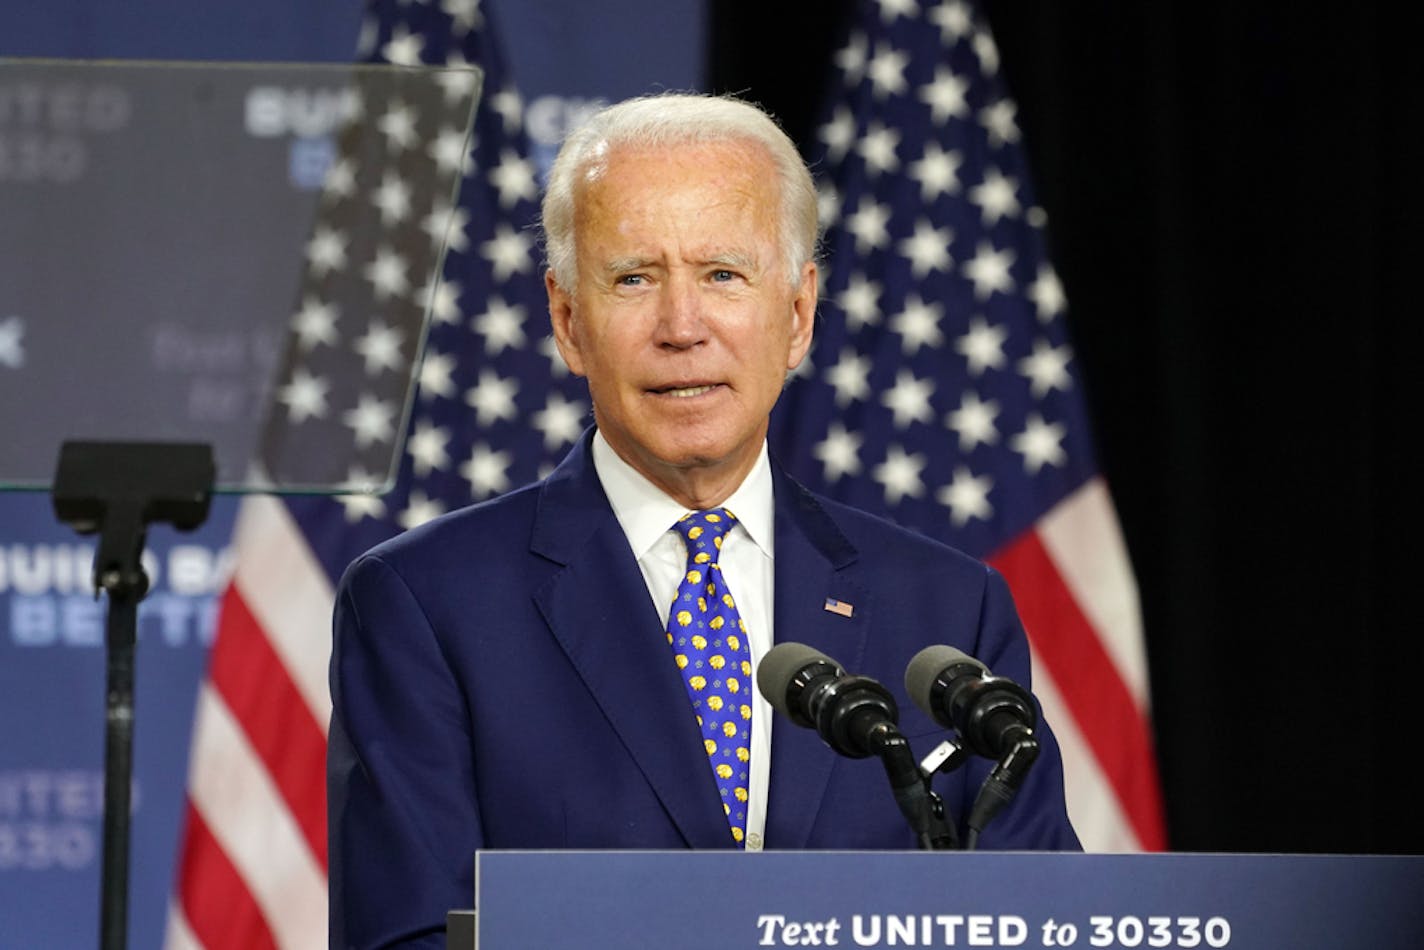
pixel 709 646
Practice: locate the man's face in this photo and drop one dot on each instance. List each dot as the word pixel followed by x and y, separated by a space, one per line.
pixel 684 320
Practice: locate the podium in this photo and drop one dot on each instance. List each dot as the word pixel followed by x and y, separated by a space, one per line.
pixel 605 900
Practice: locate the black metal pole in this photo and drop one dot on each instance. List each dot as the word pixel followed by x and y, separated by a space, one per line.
pixel 118 769
pixel 124 581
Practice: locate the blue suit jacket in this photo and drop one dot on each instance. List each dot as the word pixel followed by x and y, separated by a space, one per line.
pixel 501 679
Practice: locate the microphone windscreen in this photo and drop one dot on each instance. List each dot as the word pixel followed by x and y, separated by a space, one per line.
pixel 779 667
pixel 926 666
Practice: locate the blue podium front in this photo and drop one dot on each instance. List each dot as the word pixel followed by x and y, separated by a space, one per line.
pixel 607 900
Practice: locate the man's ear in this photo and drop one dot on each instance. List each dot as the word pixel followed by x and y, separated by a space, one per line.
pixel 561 319
pixel 803 315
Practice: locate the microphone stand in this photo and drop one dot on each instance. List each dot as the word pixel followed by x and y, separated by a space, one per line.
pixel 116 489
pixel 919 803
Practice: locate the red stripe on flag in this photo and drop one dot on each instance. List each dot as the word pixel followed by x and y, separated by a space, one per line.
pixel 220 910
pixel 255 684
pixel 1099 701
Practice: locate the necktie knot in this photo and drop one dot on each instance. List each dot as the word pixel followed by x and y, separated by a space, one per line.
pixel 703 530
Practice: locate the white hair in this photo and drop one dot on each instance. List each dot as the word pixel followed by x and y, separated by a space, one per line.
pixel 677 119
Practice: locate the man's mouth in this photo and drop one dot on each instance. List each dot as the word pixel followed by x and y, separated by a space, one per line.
pixel 685 392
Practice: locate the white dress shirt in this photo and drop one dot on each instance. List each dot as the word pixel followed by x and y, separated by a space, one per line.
pixel 647 515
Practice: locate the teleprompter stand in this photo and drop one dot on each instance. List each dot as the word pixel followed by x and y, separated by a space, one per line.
pixel 116 490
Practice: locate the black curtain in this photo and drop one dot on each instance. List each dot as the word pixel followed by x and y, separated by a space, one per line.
pixel 1234 200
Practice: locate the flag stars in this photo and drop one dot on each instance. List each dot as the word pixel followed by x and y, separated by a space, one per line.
pixel 1047 294
pixel 878 148
pixel 315 324
pixel 967 497
pixel 501 325
pixel 890 10
pixel 549 349
pixel 392 199
pixel 996 197
pixel 1047 368
pixel 363 502
pixel 380 348
pixel 450 151
pixel 909 399
pixel 444 302
pixel 459 79
pixel 509 106
pixel 850 377
pixel 886 71
pixel 508 252
pixel 998 120
pixel 326 251
pixel 953 19
pixel 989 271
pixel 861 302
pixel 372 421
pixel 1040 444
pixel 340 181
pixel 304 396
pixel 918 325
pixel 492 398
pixel 561 421
pixel 899 474
pixel 839 133
pixel 937 171
pixel 838 452
pixel 404 47
pixel 448 225
pixel 927 249
pixel 850 59
pixel 387 274
pixel 982 346
pixel 869 224
pixel 974 421
pixel 437 375
pixel 465 14
pixel 398 126
pixel 418 510
pixel 946 95
pixel 514 179
pixel 486 471
pixel 427 447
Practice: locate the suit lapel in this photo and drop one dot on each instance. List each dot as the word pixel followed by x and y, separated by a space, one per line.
pixel 813 563
pixel 598 609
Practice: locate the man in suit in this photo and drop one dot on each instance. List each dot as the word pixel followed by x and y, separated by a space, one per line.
pixel 518 675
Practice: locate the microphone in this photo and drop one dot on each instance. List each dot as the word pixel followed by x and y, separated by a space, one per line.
pixel 992 714
pixel 857 717
pixel 854 715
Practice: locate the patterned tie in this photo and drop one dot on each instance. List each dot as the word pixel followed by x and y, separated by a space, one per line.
pixel 709 644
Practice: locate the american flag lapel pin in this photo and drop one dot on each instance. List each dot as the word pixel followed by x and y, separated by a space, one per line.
pixel 839 607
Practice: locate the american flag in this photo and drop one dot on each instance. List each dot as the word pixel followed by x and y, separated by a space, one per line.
pixel 495 408
pixel 942 390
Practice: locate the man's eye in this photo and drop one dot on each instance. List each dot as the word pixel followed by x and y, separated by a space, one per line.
pixel 724 275
pixel 630 280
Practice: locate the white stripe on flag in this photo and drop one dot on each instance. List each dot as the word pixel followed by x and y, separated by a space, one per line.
pixel 179 935
pixel 1093 805
pixel 231 790
pixel 289 595
pixel 1082 538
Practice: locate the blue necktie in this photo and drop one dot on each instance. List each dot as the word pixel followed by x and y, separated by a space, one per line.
pixel 709 643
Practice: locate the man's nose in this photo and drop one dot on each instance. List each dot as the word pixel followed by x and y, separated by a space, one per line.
pixel 681 318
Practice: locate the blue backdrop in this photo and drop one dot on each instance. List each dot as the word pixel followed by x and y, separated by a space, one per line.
pixel 564 56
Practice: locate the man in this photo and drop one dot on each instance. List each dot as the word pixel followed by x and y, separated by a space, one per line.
pixel 519 675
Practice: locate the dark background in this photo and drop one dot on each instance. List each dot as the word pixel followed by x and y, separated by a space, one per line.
pixel 1234 200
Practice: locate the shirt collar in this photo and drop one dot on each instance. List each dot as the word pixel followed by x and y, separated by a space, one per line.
pixel 646 512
